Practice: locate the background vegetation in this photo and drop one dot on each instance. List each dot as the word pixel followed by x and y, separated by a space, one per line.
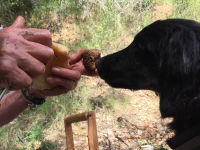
pixel 108 25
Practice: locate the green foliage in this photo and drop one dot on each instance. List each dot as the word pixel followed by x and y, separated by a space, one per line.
pixel 10 9
pixel 164 148
pixel 188 9
pixel 47 145
pixel 161 1
pixel 104 23
pixel 142 142
pixel 17 6
pixel 36 134
pixel 74 8
pixel 36 13
pixel 110 102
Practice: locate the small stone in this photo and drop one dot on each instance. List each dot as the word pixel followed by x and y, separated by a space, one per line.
pixel 147 147
pixel 139 132
pixel 157 135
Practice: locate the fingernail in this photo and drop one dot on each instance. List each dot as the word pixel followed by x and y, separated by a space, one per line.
pixel 52 51
pixel 55 69
pixel 49 79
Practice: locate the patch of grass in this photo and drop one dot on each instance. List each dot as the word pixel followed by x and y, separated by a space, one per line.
pixel 142 142
pixel 35 135
pixel 47 145
pixel 147 20
pixel 110 103
pixel 162 1
pixel 111 24
pixel 164 148
pixel 9 10
pixel 188 9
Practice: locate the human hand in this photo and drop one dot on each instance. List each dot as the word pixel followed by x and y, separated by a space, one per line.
pixel 23 54
pixel 65 79
pixel 76 63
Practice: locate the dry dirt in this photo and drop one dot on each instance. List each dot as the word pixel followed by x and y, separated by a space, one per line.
pixel 162 11
pixel 68 33
pixel 133 124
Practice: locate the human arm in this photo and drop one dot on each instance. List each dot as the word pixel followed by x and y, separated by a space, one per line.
pixel 14 103
pixel 11 106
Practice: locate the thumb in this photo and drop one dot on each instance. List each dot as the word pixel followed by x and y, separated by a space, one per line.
pixel 76 57
pixel 19 22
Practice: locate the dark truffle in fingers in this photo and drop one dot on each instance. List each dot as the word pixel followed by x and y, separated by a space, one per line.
pixel 89 59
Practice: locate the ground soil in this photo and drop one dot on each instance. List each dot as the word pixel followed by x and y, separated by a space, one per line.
pixel 162 11
pixel 134 122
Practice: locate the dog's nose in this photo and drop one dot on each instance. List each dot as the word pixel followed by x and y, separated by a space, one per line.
pixel 98 65
pixel 97 62
pixel 102 67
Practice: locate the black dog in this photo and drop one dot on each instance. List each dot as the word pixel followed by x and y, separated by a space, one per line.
pixel 164 57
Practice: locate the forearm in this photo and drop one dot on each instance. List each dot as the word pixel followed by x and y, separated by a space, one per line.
pixel 11 106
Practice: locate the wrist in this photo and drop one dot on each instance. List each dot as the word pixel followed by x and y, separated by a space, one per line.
pixel 32 97
pixel 19 97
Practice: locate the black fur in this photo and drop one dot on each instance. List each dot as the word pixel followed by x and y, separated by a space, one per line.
pixel 164 57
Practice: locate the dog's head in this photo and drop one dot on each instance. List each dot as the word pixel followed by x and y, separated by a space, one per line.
pixel 135 67
pixel 160 51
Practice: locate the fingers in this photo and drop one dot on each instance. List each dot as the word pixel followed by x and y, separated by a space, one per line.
pixel 40 52
pixel 54 92
pixel 67 84
pixel 76 57
pixel 66 73
pixel 19 22
pixel 37 40
pixel 41 36
pixel 31 66
pixel 64 77
pixel 12 76
pixel 80 67
pixel 19 80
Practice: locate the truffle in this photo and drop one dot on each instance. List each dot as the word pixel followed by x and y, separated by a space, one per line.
pixel 89 59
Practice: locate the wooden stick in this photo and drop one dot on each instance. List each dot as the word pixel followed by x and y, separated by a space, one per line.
pixel 77 118
pixel 92 132
pixel 69 136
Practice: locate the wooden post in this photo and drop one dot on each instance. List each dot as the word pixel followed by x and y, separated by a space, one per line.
pixel 69 136
pixel 92 130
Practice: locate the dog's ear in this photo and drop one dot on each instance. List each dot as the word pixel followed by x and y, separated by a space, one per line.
pixel 181 52
pixel 179 67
